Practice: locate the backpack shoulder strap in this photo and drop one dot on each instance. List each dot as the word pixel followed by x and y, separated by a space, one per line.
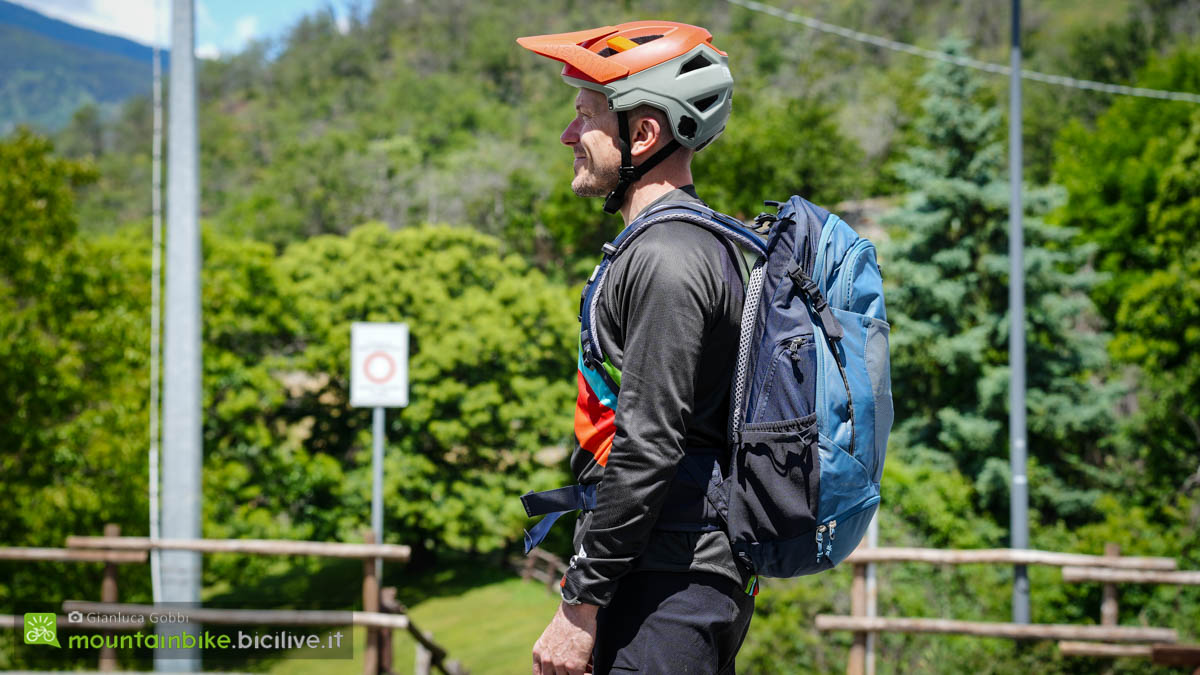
pixel 692 212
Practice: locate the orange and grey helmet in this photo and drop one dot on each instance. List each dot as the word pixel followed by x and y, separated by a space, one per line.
pixel 671 66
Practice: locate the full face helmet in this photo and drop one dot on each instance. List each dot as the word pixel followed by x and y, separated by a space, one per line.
pixel 671 66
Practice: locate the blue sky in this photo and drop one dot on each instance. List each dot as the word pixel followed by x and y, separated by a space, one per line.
pixel 222 26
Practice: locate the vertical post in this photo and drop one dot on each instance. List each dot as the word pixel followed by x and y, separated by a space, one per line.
pixel 872 592
pixel 1108 607
pixel 377 483
pixel 108 594
pixel 388 604
pixel 155 309
pixel 182 358
pixel 424 661
pixel 527 569
pixel 858 608
pixel 1019 506
pixel 370 604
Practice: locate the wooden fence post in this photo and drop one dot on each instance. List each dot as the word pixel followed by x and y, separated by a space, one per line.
pixel 108 593
pixel 388 604
pixel 370 604
pixel 424 660
pixel 527 569
pixel 858 607
pixel 1108 606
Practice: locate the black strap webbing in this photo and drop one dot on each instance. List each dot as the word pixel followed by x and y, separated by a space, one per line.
pixel 628 173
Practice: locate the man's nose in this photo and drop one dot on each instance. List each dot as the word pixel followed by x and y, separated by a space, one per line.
pixel 570 135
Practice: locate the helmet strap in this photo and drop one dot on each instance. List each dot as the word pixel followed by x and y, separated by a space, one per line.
pixel 628 174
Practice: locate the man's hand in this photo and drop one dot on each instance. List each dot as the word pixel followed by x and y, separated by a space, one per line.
pixel 565 647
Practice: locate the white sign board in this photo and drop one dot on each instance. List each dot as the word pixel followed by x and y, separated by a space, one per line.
pixel 378 365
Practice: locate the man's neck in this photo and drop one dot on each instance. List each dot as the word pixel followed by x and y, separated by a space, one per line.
pixel 650 188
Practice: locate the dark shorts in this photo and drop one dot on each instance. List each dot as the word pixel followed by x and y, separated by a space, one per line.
pixel 672 622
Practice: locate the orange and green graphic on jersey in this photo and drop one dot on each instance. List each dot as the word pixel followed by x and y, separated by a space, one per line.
pixel 596 409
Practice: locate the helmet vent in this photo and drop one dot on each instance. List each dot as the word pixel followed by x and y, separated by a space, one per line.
pixel 641 40
pixel 686 127
pixel 706 102
pixel 695 63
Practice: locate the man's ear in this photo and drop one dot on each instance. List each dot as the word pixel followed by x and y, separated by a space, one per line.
pixel 645 135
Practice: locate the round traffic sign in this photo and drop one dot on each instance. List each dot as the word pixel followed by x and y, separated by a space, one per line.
pixel 379 367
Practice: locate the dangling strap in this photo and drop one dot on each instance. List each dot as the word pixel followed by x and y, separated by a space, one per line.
pixel 555 503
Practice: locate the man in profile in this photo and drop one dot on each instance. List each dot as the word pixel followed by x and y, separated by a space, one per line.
pixel 653 585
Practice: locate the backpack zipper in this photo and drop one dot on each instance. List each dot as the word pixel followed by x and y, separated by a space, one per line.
pixel 846 273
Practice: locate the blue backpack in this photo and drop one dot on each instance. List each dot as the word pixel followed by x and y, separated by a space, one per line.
pixel 810 400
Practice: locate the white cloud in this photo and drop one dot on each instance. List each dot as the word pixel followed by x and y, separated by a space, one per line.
pixel 204 20
pixel 245 29
pixel 208 51
pixel 133 19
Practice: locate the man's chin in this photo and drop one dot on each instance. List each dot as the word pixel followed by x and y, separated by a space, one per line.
pixel 582 187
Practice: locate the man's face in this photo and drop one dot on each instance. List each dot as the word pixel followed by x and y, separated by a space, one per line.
pixel 592 135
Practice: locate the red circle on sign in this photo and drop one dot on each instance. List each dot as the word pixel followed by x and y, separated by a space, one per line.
pixel 391 367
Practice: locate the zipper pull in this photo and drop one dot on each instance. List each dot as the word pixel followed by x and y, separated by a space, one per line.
pixel 820 542
pixel 795 345
pixel 829 546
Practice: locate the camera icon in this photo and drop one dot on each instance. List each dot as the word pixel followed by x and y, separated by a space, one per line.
pixel 75 617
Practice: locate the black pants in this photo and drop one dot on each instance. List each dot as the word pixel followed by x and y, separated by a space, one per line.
pixel 672 622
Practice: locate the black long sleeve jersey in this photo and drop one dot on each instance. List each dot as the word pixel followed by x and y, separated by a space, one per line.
pixel 668 318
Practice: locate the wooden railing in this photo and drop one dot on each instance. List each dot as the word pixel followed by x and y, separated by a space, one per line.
pixel 108 583
pixel 380 615
pixel 541 566
pixel 1092 640
pixel 1159 654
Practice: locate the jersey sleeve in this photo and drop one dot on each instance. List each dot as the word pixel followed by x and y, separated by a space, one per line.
pixel 661 297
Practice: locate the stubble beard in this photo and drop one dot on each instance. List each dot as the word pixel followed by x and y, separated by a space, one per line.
pixel 594 181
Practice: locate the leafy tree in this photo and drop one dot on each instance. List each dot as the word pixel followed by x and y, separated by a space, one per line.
pixel 1132 187
pixel 70 395
pixel 948 297
pixel 1157 322
pixel 490 378
pixel 774 148
pixel 1112 172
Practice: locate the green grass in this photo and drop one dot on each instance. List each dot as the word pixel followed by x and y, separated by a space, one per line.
pixel 489 628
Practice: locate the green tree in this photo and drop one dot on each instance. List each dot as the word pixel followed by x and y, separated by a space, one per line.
pixel 1112 173
pixel 1132 185
pixel 774 148
pixel 1158 328
pixel 948 300
pixel 490 377
pixel 71 400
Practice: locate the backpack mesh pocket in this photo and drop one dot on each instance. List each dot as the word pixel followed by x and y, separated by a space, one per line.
pixel 774 486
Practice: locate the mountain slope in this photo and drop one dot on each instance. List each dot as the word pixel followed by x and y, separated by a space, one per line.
pixel 12 14
pixel 49 68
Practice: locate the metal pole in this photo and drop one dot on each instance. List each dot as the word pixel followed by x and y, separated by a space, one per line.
pixel 1019 506
pixel 377 485
pixel 182 362
pixel 155 307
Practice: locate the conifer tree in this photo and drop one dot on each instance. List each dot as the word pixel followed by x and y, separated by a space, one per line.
pixel 947 265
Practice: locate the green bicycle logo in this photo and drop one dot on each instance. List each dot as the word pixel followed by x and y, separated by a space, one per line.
pixel 41 629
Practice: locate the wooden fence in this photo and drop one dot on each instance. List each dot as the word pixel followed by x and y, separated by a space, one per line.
pixel 541 566
pixel 381 613
pixel 1089 640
